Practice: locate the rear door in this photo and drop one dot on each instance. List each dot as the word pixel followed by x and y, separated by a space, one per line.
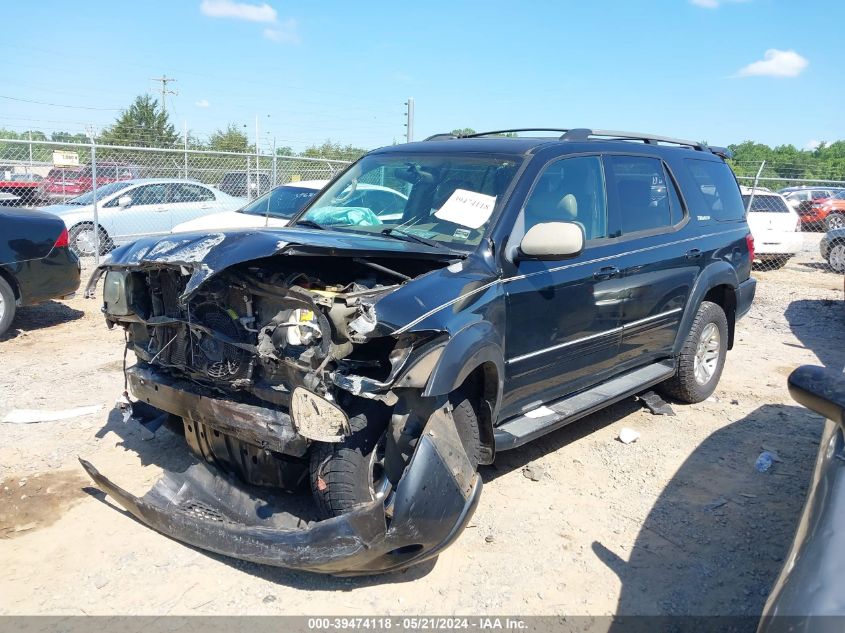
pixel 657 264
pixel 189 200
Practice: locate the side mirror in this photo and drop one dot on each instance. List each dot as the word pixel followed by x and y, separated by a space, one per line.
pixel 124 201
pixel 552 240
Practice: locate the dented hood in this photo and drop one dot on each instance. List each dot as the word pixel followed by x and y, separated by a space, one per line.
pixel 206 254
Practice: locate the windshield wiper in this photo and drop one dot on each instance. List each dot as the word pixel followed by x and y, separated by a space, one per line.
pixel 311 224
pixel 399 234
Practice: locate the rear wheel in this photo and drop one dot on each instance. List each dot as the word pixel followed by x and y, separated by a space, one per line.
pixel 7 306
pixel 834 221
pixel 774 263
pixel 836 257
pixel 83 240
pixel 349 473
pixel 702 357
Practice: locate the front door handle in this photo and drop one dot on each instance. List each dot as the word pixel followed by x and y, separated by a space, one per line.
pixel 695 253
pixel 608 272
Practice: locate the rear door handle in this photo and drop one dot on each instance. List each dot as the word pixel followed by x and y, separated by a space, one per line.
pixel 695 253
pixel 608 272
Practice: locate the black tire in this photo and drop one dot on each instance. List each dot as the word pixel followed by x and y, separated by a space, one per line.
pixel 346 474
pixel 7 306
pixel 834 221
pixel 685 385
pixel 774 263
pixel 82 249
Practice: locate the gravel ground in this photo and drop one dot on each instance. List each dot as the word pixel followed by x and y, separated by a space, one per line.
pixel 677 523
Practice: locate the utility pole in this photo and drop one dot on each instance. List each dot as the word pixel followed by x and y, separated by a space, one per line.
pixel 164 80
pixel 409 124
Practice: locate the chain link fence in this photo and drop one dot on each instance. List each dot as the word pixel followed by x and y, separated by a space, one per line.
pixel 791 207
pixel 89 184
pixel 795 213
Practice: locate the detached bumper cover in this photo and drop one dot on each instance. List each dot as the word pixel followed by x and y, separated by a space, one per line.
pixel 433 502
pixel 745 296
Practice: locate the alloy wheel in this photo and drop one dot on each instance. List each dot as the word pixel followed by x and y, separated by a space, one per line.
pixel 836 258
pixel 707 354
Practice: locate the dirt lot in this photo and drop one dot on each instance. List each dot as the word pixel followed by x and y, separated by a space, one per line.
pixel 678 522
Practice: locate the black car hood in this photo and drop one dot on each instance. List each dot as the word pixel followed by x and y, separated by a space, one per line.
pixel 207 254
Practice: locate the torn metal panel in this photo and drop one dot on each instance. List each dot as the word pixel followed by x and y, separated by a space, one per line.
pixel 433 502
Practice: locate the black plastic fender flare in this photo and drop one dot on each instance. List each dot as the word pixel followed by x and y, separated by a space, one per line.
pixel 468 349
pixel 719 273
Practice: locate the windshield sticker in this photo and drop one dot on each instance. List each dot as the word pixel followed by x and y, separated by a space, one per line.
pixel 467 208
pixel 461 234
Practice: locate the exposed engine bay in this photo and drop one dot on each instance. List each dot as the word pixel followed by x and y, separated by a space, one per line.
pixel 266 336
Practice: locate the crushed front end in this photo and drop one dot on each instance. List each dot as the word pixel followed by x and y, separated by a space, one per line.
pixel 269 357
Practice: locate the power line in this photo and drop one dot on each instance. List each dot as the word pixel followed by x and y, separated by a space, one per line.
pixel 59 105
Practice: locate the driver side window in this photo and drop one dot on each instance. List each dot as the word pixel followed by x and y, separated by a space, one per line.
pixel 570 190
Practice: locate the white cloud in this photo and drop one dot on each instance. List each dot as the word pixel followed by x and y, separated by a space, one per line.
pixel 285 31
pixel 775 63
pixel 203 103
pixel 812 145
pixel 238 10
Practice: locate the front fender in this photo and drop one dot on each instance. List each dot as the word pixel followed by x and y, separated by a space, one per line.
pixel 719 273
pixel 467 350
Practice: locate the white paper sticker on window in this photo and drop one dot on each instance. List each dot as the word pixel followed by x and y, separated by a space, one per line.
pixel 467 208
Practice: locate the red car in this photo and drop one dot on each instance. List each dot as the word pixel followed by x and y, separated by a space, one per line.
pixel 828 212
pixel 63 183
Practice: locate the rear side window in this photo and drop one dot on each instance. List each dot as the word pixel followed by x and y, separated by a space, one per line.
pixel 717 194
pixel 766 204
pixel 647 196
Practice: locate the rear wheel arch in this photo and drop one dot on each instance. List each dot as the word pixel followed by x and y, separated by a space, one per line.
pixel 718 283
pixel 724 296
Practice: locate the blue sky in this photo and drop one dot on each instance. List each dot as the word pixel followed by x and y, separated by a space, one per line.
pixel 313 70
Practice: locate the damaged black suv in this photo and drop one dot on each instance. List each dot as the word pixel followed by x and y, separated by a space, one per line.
pixel 436 303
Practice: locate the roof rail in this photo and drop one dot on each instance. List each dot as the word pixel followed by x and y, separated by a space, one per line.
pixel 441 137
pixel 586 134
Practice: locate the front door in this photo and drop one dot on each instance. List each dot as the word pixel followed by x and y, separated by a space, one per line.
pixel 563 317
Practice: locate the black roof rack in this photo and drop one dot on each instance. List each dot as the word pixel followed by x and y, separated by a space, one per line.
pixel 586 134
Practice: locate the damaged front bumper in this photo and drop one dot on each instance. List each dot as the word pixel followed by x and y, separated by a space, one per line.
pixel 433 501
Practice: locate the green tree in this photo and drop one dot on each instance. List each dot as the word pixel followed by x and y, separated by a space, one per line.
pixel 232 139
pixel 144 124
pixel 285 150
pixel 463 131
pixel 332 150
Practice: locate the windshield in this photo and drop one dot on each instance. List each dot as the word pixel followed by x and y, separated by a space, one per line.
pixel 102 192
pixel 448 199
pixel 283 202
pixel 66 174
pixel 840 195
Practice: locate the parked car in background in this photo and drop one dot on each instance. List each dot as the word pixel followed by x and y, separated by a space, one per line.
pixel 775 226
pixel 133 208
pixel 63 183
pixel 809 590
pixel 274 208
pixel 383 353
pixel 245 184
pixel 802 198
pixel 278 206
pixel 35 262
pixel 25 188
pixel 827 213
pixel 832 249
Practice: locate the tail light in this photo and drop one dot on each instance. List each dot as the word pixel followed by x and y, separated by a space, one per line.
pixel 749 241
pixel 62 240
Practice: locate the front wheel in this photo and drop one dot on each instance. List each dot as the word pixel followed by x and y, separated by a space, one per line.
pixel 834 221
pixel 836 257
pixel 83 240
pixel 702 356
pixel 346 474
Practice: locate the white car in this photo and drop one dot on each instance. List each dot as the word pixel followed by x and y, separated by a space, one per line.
pixel 276 208
pixel 775 225
pixel 129 209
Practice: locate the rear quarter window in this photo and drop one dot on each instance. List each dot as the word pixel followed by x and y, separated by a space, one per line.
pixel 766 204
pixel 716 194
